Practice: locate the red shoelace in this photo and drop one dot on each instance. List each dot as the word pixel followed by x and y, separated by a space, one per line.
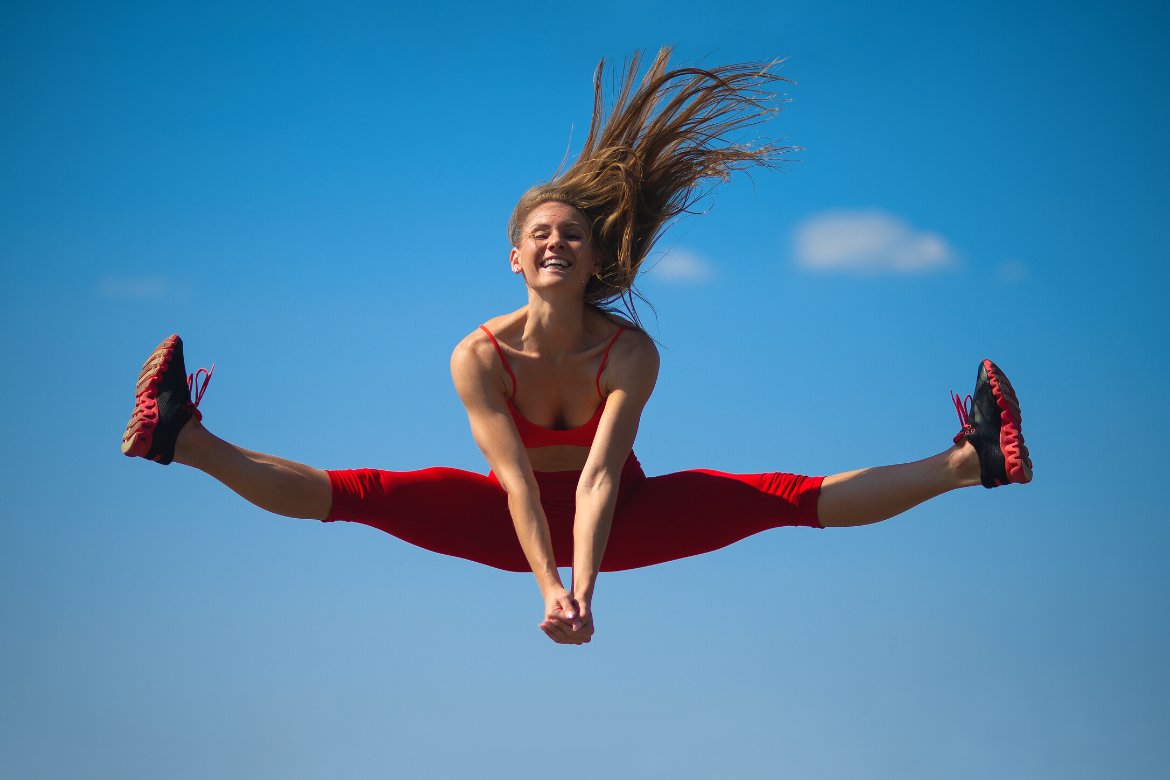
pixel 961 407
pixel 193 380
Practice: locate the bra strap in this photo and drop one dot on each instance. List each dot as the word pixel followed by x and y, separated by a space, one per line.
pixel 605 359
pixel 504 360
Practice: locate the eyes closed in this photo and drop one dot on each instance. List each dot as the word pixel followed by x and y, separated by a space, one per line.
pixel 543 233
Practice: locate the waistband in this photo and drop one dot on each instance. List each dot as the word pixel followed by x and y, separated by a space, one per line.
pixel 631 469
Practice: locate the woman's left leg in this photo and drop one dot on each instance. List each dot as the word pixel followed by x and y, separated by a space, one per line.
pixel 871 495
pixel 988 451
pixel 687 513
pixel 693 512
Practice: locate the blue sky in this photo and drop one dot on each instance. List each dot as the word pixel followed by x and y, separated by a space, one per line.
pixel 315 197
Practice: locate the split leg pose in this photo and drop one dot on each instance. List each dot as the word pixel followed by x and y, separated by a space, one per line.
pixel 656 519
pixel 554 391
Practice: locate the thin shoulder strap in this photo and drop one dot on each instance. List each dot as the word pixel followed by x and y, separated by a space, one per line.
pixel 503 359
pixel 605 358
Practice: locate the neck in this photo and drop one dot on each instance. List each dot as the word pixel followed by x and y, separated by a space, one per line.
pixel 554 326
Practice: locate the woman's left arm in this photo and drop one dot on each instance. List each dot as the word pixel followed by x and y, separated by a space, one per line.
pixel 630 375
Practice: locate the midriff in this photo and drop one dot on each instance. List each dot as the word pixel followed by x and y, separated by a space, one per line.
pixel 558 458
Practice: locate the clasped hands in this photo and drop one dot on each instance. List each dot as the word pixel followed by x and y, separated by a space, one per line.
pixel 568 619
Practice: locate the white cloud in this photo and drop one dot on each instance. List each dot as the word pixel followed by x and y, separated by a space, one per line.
pixel 679 265
pixel 133 288
pixel 869 241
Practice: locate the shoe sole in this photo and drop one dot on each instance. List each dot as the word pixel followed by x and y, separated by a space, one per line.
pixel 137 439
pixel 1017 462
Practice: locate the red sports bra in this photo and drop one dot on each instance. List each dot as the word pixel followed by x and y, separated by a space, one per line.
pixel 531 434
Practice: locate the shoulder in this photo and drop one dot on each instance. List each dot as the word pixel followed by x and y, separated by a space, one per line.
pixel 475 363
pixel 479 347
pixel 634 344
pixel 475 349
pixel 628 340
pixel 633 362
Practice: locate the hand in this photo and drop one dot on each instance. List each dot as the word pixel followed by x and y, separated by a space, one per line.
pixel 585 615
pixel 564 621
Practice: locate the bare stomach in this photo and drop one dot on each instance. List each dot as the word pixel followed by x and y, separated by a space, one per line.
pixel 559 458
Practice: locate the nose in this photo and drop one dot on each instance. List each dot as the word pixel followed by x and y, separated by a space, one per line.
pixel 555 238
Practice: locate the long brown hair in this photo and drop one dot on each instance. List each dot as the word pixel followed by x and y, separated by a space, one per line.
pixel 645 163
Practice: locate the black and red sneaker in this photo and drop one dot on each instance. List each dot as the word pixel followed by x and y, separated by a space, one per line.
pixel 991 423
pixel 163 403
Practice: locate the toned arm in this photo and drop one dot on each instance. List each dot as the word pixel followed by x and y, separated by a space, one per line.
pixel 629 379
pixel 483 390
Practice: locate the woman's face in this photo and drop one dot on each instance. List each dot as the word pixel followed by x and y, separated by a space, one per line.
pixel 555 248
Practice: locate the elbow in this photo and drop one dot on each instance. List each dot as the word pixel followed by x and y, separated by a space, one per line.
pixel 517 485
pixel 595 481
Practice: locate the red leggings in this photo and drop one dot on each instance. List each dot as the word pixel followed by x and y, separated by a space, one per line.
pixel 657 519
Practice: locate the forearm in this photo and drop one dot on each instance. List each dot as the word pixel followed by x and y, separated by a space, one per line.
pixel 595 506
pixel 532 531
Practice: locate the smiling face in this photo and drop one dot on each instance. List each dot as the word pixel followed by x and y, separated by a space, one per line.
pixel 555 249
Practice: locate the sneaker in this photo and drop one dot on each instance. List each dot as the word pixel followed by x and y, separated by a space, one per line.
pixel 163 403
pixel 991 423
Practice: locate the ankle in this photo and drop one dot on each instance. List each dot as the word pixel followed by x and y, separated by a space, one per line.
pixel 190 441
pixel 963 462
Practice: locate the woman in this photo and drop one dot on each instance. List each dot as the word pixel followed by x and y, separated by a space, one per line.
pixel 554 390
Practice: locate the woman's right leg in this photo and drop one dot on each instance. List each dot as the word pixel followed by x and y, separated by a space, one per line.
pixel 448 511
pixel 275 484
pixel 165 426
pixel 444 510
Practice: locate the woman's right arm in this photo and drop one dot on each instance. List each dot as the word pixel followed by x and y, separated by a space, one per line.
pixel 483 391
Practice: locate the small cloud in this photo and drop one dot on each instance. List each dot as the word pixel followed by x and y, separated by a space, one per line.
pixel 133 288
pixel 679 265
pixel 1012 271
pixel 870 242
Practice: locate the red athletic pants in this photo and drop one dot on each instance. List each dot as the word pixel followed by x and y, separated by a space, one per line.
pixel 657 519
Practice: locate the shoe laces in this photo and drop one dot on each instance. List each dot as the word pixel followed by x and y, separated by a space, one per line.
pixel 196 388
pixel 962 407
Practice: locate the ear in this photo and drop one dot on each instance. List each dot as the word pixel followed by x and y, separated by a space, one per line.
pixel 596 269
pixel 594 263
pixel 514 261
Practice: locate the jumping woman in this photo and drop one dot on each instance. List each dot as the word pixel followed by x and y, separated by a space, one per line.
pixel 554 390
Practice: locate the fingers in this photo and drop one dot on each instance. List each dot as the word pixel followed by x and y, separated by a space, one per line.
pixel 568 632
pixel 569 608
pixel 559 633
pixel 566 620
pixel 563 631
pixel 564 635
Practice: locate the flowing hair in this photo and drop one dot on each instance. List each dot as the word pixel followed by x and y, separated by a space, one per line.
pixel 646 162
